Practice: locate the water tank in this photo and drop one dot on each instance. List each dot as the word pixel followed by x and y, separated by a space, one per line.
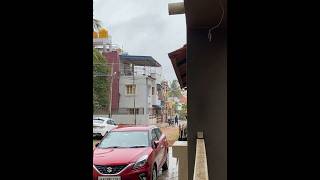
pixel 95 34
pixel 103 33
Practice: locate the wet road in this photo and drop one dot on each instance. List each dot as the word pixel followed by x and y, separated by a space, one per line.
pixel 172 172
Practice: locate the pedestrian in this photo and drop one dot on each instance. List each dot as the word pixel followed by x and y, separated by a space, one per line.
pixel 170 122
pixel 176 120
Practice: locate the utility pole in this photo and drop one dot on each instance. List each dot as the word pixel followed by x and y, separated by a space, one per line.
pixel 111 87
pixel 134 98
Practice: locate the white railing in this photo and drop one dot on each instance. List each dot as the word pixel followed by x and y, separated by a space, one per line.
pixel 200 166
pixel 101 41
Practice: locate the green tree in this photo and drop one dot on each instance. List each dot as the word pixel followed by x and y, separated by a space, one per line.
pixel 101 82
pixel 175 90
pixel 183 113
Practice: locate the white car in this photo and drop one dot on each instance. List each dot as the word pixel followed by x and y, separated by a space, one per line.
pixel 102 125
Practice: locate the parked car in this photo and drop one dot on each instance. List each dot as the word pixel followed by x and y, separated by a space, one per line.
pixel 131 153
pixel 102 125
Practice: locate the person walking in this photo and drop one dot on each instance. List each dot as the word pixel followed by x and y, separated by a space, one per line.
pixel 176 120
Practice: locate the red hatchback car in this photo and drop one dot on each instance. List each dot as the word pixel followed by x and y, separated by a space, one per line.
pixel 131 153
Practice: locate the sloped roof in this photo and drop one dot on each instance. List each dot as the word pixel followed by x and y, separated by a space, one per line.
pixel 139 60
pixel 179 63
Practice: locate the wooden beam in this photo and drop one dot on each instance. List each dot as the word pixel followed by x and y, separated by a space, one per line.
pixel 176 8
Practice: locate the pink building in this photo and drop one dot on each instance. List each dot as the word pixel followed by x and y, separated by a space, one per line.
pixel 114 61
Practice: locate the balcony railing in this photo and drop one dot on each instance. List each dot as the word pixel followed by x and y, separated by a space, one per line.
pixel 200 166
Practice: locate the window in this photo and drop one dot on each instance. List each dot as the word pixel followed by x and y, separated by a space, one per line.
pixel 98 121
pixel 154 135
pixel 152 91
pixel 158 132
pixel 131 89
pixel 109 122
pixel 137 111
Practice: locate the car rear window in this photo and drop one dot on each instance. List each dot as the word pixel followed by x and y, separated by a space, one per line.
pixel 98 121
pixel 158 132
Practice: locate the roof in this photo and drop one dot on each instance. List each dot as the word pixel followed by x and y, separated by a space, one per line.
pixel 139 60
pixel 179 63
pixel 134 128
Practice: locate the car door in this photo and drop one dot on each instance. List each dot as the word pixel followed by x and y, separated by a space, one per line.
pixel 157 149
pixel 162 145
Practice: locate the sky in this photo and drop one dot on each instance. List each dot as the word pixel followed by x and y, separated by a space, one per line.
pixel 143 27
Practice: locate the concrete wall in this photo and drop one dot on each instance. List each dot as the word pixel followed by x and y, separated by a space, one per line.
pixel 129 119
pixel 143 92
pixel 143 99
pixel 207 98
pixel 126 101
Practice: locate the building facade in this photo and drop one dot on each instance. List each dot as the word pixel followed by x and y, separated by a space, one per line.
pixel 140 91
pixel 137 94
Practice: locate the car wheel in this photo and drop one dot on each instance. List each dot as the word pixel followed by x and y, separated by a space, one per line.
pixel 165 166
pixel 154 173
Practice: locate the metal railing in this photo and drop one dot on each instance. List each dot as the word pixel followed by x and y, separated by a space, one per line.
pixel 200 166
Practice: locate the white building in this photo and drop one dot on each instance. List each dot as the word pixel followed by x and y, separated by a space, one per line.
pixel 139 89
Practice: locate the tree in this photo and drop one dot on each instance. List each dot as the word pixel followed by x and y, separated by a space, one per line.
pixel 183 113
pixel 101 82
pixel 96 24
pixel 175 90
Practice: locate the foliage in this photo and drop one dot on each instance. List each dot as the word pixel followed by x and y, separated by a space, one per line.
pixel 101 82
pixel 183 112
pixel 174 90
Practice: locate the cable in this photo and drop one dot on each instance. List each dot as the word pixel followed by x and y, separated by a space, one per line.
pixel 216 26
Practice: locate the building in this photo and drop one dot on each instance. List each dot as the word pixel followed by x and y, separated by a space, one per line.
pixel 138 93
pixel 164 99
pixel 102 41
pixel 141 100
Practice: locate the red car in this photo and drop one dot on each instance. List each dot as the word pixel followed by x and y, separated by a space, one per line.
pixel 131 153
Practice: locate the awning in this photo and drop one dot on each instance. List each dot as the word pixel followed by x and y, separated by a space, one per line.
pixel 179 63
pixel 139 60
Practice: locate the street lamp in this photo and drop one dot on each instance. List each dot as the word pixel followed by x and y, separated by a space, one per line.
pixel 134 96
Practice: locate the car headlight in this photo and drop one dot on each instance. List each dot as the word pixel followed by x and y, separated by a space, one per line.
pixel 141 162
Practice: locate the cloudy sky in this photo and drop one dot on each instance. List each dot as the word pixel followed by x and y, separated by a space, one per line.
pixel 143 27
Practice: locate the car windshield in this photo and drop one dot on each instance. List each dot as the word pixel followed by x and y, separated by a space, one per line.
pixel 98 121
pixel 125 139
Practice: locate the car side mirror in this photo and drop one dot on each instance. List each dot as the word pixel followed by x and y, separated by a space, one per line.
pixel 97 144
pixel 155 144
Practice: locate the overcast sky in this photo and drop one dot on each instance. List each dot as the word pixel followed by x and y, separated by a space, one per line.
pixel 143 27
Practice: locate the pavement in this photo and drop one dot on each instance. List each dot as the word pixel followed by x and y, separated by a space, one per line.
pixel 172 172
